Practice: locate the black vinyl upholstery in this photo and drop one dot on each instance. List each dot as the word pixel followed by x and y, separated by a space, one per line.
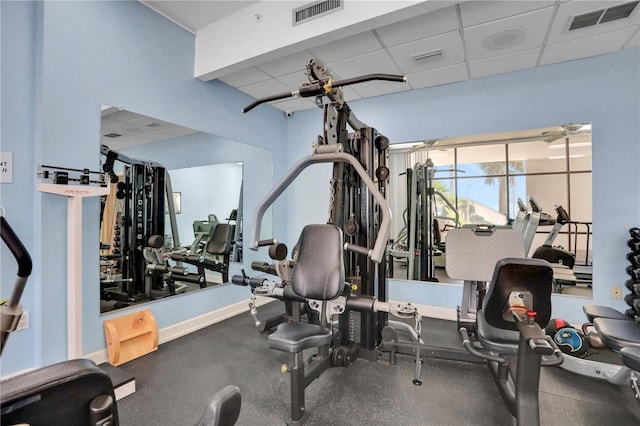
pixel 534 276
pixel 631 357
pixel 221 240
pixel 56 394
pixel 618 334
pixel 319 269
pixel 317 274
pixel 224 408
pixel 598 311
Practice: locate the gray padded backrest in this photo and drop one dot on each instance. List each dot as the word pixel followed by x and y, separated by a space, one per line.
pixel 220 241
pixel 224 408
pixel 472 255
pixel 533 276
pixel 319 269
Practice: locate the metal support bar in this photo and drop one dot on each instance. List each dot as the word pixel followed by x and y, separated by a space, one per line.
pixel 377 253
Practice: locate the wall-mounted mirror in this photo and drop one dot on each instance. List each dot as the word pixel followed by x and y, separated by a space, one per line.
pixel 163 232
pixel 541 176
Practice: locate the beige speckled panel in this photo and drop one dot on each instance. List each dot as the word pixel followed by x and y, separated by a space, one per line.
pixel 472 256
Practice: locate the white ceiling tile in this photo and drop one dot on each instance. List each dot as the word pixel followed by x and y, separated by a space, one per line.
pixel 506 63
pixel 264 89
pixel 449 43
pixel 350 94
pixel 419 27
pixel 244 77
pixel 438 76
pixel 294 104
pixel 634 41
pixel 370 63
pixel 560 30
pixel 287 65
pixel 358 44
pixel 533 23
pixel 293 80
pixel 585 47
pixel 479 12
pixel 379 88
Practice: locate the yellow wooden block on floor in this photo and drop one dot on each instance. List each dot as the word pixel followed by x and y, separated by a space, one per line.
pixel 131 336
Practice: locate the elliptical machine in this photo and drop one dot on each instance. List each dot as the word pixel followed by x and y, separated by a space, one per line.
pixel 74 392
pixel 556 254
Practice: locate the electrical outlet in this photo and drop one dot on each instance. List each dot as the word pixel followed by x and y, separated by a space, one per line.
pixel 23 323
pixel 616 292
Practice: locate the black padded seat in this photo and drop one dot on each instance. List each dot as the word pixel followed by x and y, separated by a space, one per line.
pixel 317 274
pixel 618 334
pixel 598 311
pixel 296 336
pixel 220 242
pixel 631 357
pixel 224 408
pixel 499 340
pixel 513 275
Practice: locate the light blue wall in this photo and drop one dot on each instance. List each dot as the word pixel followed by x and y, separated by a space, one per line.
pixel 603 90
pixel 60 62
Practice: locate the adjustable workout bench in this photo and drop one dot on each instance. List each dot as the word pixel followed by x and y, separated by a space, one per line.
pixel 619 333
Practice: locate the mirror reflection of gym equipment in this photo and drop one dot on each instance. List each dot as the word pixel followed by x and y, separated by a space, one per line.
pixel 141 255
pixel 453 182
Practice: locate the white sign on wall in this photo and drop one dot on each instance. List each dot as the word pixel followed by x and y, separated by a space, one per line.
pixel 6 167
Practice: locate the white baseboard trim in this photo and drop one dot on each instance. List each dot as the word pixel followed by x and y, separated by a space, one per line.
pixel 183 328
pixel 194 324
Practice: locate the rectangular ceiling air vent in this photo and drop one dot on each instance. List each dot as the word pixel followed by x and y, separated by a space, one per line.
pixel 421 58
pixel 315 10
pixel 602 16
pixel 112 135
pixel 152 124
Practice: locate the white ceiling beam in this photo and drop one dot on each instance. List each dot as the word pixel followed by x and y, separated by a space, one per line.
pixel 264 31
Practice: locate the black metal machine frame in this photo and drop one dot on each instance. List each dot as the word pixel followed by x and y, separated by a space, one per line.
pixel 145 189
pixel 358 207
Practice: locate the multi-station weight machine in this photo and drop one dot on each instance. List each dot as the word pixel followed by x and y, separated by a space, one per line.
pixel 143 190
pixel 338 276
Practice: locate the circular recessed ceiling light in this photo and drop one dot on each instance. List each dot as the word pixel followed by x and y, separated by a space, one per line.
pixel 506 38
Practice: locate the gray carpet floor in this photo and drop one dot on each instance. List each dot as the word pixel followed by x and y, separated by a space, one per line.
pixel 175 383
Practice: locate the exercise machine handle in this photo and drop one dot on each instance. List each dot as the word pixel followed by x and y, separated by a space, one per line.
pixel 12 311
pixel 17 249
pixel 247 281
pixel 473 351
pixel 319 88
pixel 377 252
pixel 277 97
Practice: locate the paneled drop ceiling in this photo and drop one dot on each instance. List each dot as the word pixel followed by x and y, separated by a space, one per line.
pixel 469 40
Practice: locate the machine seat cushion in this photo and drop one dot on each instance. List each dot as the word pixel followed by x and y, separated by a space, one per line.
pixel 221 240
pixel 293 337
pixel 514 275
pixel 319 269
pixel 631 357
pixel 499 340
pixel 618 334
pixel 598 311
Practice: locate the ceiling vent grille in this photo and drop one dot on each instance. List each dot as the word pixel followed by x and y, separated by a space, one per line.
pixel 112 135
pixel 602 16
pixel 315 10
pixel 421 58
pixel 153 124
